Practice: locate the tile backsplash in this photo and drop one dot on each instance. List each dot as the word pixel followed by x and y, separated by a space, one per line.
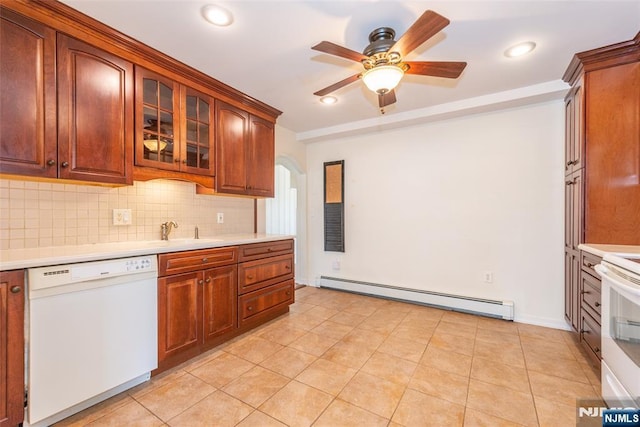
pixel 40 214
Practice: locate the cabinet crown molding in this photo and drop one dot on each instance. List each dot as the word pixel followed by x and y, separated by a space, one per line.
pixel 603 57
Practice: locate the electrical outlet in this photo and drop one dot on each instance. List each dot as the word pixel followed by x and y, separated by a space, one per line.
pixel 488 277
pixel 122 217
pixel 220 218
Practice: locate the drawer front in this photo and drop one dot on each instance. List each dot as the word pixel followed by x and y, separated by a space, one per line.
pixel 184 262
pixel 591 298
pixel 590 334
pixel 255 304
pixel 264 250
pixel 588 262
pixel 254 275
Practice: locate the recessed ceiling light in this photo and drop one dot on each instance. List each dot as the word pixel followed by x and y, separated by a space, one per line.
pixel 217 15
pixel 328 100
pixel 519 49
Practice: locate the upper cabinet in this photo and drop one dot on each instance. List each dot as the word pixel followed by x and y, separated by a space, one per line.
pixel 245 152
pixel 91 101
pixel 28 144
pixel 73 108
pixel 175 125
pixel 95 114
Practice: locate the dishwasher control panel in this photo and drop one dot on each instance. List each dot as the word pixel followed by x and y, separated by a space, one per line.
pixel 60 275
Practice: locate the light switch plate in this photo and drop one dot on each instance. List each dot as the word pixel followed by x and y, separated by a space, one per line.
pixel 122 217
pixel 220 218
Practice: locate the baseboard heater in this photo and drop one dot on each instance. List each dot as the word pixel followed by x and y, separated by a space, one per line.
pixel 480 306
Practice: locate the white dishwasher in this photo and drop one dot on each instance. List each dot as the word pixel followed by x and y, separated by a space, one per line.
pixel 92 333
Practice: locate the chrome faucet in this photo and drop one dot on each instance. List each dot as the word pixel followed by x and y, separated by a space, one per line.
pixel 165 229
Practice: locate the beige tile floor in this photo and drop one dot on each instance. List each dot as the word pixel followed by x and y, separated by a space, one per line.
pixel 339 359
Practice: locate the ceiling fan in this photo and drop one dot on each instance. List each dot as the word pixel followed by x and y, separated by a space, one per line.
pixel 383 58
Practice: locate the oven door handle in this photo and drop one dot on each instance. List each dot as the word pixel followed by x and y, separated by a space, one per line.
pixel 616 282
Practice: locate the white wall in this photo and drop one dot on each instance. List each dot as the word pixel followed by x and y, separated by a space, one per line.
pixel 434 206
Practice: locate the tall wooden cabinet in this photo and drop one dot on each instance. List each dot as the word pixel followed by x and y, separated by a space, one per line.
pixel 11 348
pixel 602 166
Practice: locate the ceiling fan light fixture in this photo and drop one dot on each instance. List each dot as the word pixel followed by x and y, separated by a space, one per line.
pixel 519 49
pixel 383 79
pixel 217 15
pixel 328 100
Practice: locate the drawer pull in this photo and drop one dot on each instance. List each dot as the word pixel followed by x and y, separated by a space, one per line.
pixel 288 293
pixel 590 265
pixel 250 308
pixel 205 259
pixel 250 277
pixel 15 289
pixel 287 267
pixel 269 249
pixel 597 304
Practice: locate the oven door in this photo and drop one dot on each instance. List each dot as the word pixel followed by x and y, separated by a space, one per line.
pixel 620 337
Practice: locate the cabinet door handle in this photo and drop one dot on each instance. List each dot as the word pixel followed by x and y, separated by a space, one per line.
pixel 597 304
pixel 569 182
pixel 16 289
pixel 64 164
pixel 176 160
pixel 597 349
pixel 584 331
pixel 207 280
pixel 205 259
pixel 200 282
pixel 184 161
pixel 51 162
pixel 585 292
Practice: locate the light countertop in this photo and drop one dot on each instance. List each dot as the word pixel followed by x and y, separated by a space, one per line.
pixel 626 251
pixel 12 259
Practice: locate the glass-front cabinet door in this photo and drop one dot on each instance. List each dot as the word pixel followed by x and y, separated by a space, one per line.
pixel 174 125
pixel 198 142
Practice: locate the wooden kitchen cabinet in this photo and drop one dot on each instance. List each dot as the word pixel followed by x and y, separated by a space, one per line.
pixel 265 281
pixel 175 125
pixel 602 148
pixel 28 102
pixel 245 147
pixel 11 348
pixel 94 92
pixel 197 306
pixel 590 305
pixel 95 114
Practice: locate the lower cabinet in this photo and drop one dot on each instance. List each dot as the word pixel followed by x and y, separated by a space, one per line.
pixel 206 297
pixel 196 310
pixel 590 301
pixel 11 348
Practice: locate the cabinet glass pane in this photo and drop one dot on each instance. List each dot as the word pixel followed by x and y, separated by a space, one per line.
pixel 204 135
pixel 166 150
pixel 151 146
pixel 150 119
pixel 166 97
pixel 166 123
pixel 204 111
pixel 204 158
pixel 150 92
pixel 192 107
pixel 192 155
pixel 192 131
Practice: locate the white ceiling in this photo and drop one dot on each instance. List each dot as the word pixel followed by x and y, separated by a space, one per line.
pixel 266 52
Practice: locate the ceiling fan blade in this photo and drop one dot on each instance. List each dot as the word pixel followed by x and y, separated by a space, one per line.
pixel 387 99
pixel 428 25
pixel 337 50
pixel 450 70
pixel 327 90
